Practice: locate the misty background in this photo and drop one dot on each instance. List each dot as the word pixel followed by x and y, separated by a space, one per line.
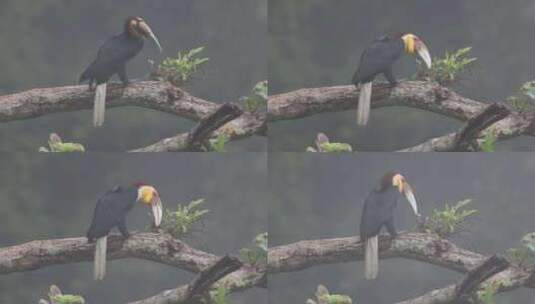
pixel 321 196
pixel 314 43
pixel 49 43
pixel 46 197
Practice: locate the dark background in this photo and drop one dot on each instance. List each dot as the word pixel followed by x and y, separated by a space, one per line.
pixel 44 197
pixel 49 43
pixel 321 196
pixel 317 43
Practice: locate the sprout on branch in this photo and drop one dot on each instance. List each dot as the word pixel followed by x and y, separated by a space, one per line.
pixel 324 145
pixel 257 255
pixel 524 99
pixel 179 222
pixel 324 297
pixel 445 70
pixel 179 70
pixel 447 221
pixel 257 99
pixel 55 144
pixel 55 296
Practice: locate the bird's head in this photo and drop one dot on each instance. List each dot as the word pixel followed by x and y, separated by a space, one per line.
pixel 148 196
pixel 413 44
pixel 137 27
pixel 398 181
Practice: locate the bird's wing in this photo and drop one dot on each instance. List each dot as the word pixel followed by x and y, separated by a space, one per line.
pixel 377 58
pixel 110 209
pixel 117 49
pixel 378 208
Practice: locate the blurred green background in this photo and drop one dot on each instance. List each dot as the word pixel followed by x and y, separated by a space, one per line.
pixel 321 196
pixel 44 197
pixel 49 43
pixel 314 43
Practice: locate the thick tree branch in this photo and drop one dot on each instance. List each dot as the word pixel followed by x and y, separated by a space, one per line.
pixel 427 96
pixel 157 247
pixel 418 246
pixel 160 96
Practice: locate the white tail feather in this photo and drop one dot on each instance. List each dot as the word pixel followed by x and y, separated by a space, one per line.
pixel 363 108
pixel 99 108
pixel 371 258
pixel 100 258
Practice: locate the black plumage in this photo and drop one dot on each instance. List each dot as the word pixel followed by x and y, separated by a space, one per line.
pixel 111 211
pixel 112 58
pixel 378 58
pixel 379 208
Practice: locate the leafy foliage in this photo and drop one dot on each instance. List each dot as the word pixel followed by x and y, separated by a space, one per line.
pixel 179 222
pixel 218 144
pixel 487 142
pixel 524 255
pixel 219 296
pixel 324 297
pixel 179 70
pixel 524 99
pixel 446 70
pixel 257 98
pixel 55 144
pixel 446 222
pixel 324 145
pixel 57 297
pixel 68 299
pixel 256 256
pixel 486 295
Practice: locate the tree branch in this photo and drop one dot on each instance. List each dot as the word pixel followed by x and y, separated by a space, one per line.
pixel 157 247
pixel 210 275
pixel 475 277
pixel 160 96
pixel 426 96
pixel 423 247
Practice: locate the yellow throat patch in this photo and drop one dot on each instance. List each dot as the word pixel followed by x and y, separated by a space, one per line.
pixel 145 194
pixel 408 41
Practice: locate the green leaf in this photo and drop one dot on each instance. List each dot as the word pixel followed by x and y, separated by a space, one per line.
pixel 68 299
pixel 178 223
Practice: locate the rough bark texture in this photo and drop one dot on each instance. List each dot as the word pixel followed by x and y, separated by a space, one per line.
pixel 418 246
pixel 157 247
pixel 160 96
pixel 426 96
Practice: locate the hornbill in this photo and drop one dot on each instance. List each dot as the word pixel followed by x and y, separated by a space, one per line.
pixel 112 58
pixel 111 211
pixel 378 58
pixel 378 212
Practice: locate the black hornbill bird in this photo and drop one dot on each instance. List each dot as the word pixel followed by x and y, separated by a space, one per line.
pixel 378 58
pixel 111 211
pixel 112 58
pixel 378 212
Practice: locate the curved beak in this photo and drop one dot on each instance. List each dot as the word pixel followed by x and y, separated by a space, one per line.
pixel 406 189
pixel 157 210
pixel 148 33
pixel 423 52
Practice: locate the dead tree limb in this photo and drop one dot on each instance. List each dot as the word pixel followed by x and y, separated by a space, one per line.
pixel 426 96
pixel 155 95
pixel 475 277
pixel 211 275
